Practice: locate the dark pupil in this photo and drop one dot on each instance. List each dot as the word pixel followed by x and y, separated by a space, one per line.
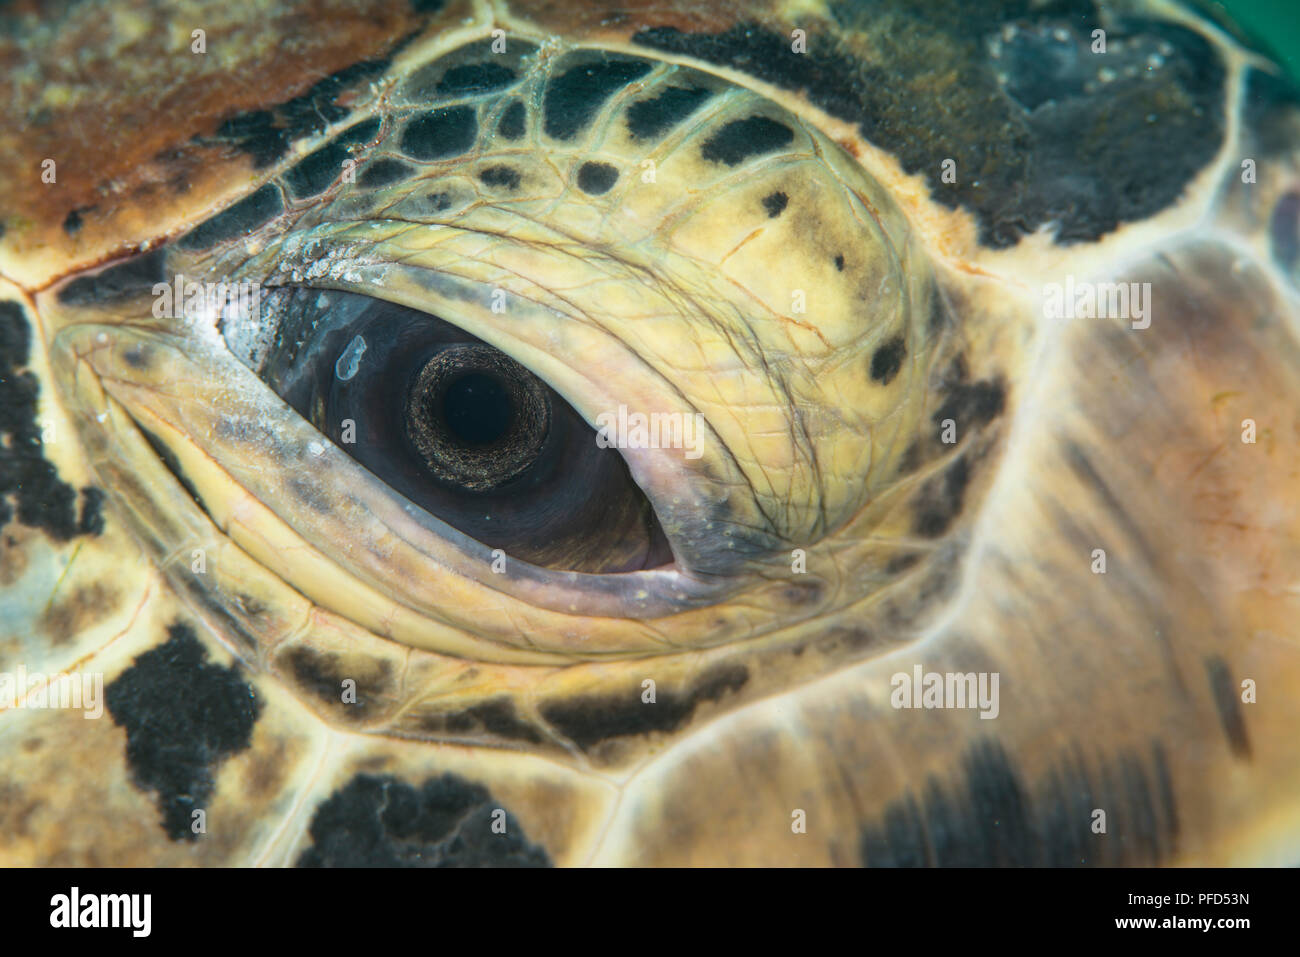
pixel 477 408
pixel 476 417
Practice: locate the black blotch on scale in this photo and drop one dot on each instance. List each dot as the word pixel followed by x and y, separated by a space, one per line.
pixel 506 177
pixel 774 203
pixel 888 359
pixel 1071 152
pixel 73 222
pixel 469 79
pixel 596 179
pixel 383 172
pixel 30 487
pixel 990 816
pixel 839 262
pixel 496 718
pixel 258 134
pixel 649 119
pixel 970 405
pixel 183 716
pixel 238 220
pixel 940 500
pixel 739 140
pixel 317 170
pixel 322 675
pixel 439 134
pixel 573 97
pixel 267 134
pixel 135 277
pixel 512 121
pixel 588 721
pixel 1226 700
pixel 381 821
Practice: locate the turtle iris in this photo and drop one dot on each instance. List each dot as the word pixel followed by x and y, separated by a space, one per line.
pixel 477 417
pixel 457 427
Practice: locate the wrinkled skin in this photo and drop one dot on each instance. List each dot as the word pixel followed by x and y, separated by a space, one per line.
pixel 1110 525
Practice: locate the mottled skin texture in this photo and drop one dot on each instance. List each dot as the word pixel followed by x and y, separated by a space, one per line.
pixel 523 693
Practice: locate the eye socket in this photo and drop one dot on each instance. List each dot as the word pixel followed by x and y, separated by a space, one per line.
pixel 457 427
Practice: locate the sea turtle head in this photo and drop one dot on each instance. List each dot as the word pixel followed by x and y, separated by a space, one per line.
pixel 545 355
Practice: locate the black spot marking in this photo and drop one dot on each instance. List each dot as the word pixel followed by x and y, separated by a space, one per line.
pixel 573 97
pixel 596 178
pixel 496 718
pixel 322 675
pixel 72 223
pixel 470 79
pixel 589 721
pixel 439 134
pixel 990 817
pixel 135 277
pixel 183 716
pixel 888 359
pixel 382 172
pixel 503 176
pixel 774 203
pixel 970 405
pixel 649 119
pixel 1048 148
pixel 901 562
pixel 1284 231
pixel 317 170
pixel 238 220
pixel 738 140
pixel 257 134
pixel 512 121
pixel 439 202
pixel 30 487
pixel 1226 700
pixel 267 134
pixel 381 821
pixel 92 516
pixel 839 262
pixel 940 500
pixel 1045 67
pixel 427 6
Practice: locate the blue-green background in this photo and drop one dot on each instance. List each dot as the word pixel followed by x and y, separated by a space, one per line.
pixel 1274 23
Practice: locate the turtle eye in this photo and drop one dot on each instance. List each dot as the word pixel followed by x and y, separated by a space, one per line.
pixel 455 426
